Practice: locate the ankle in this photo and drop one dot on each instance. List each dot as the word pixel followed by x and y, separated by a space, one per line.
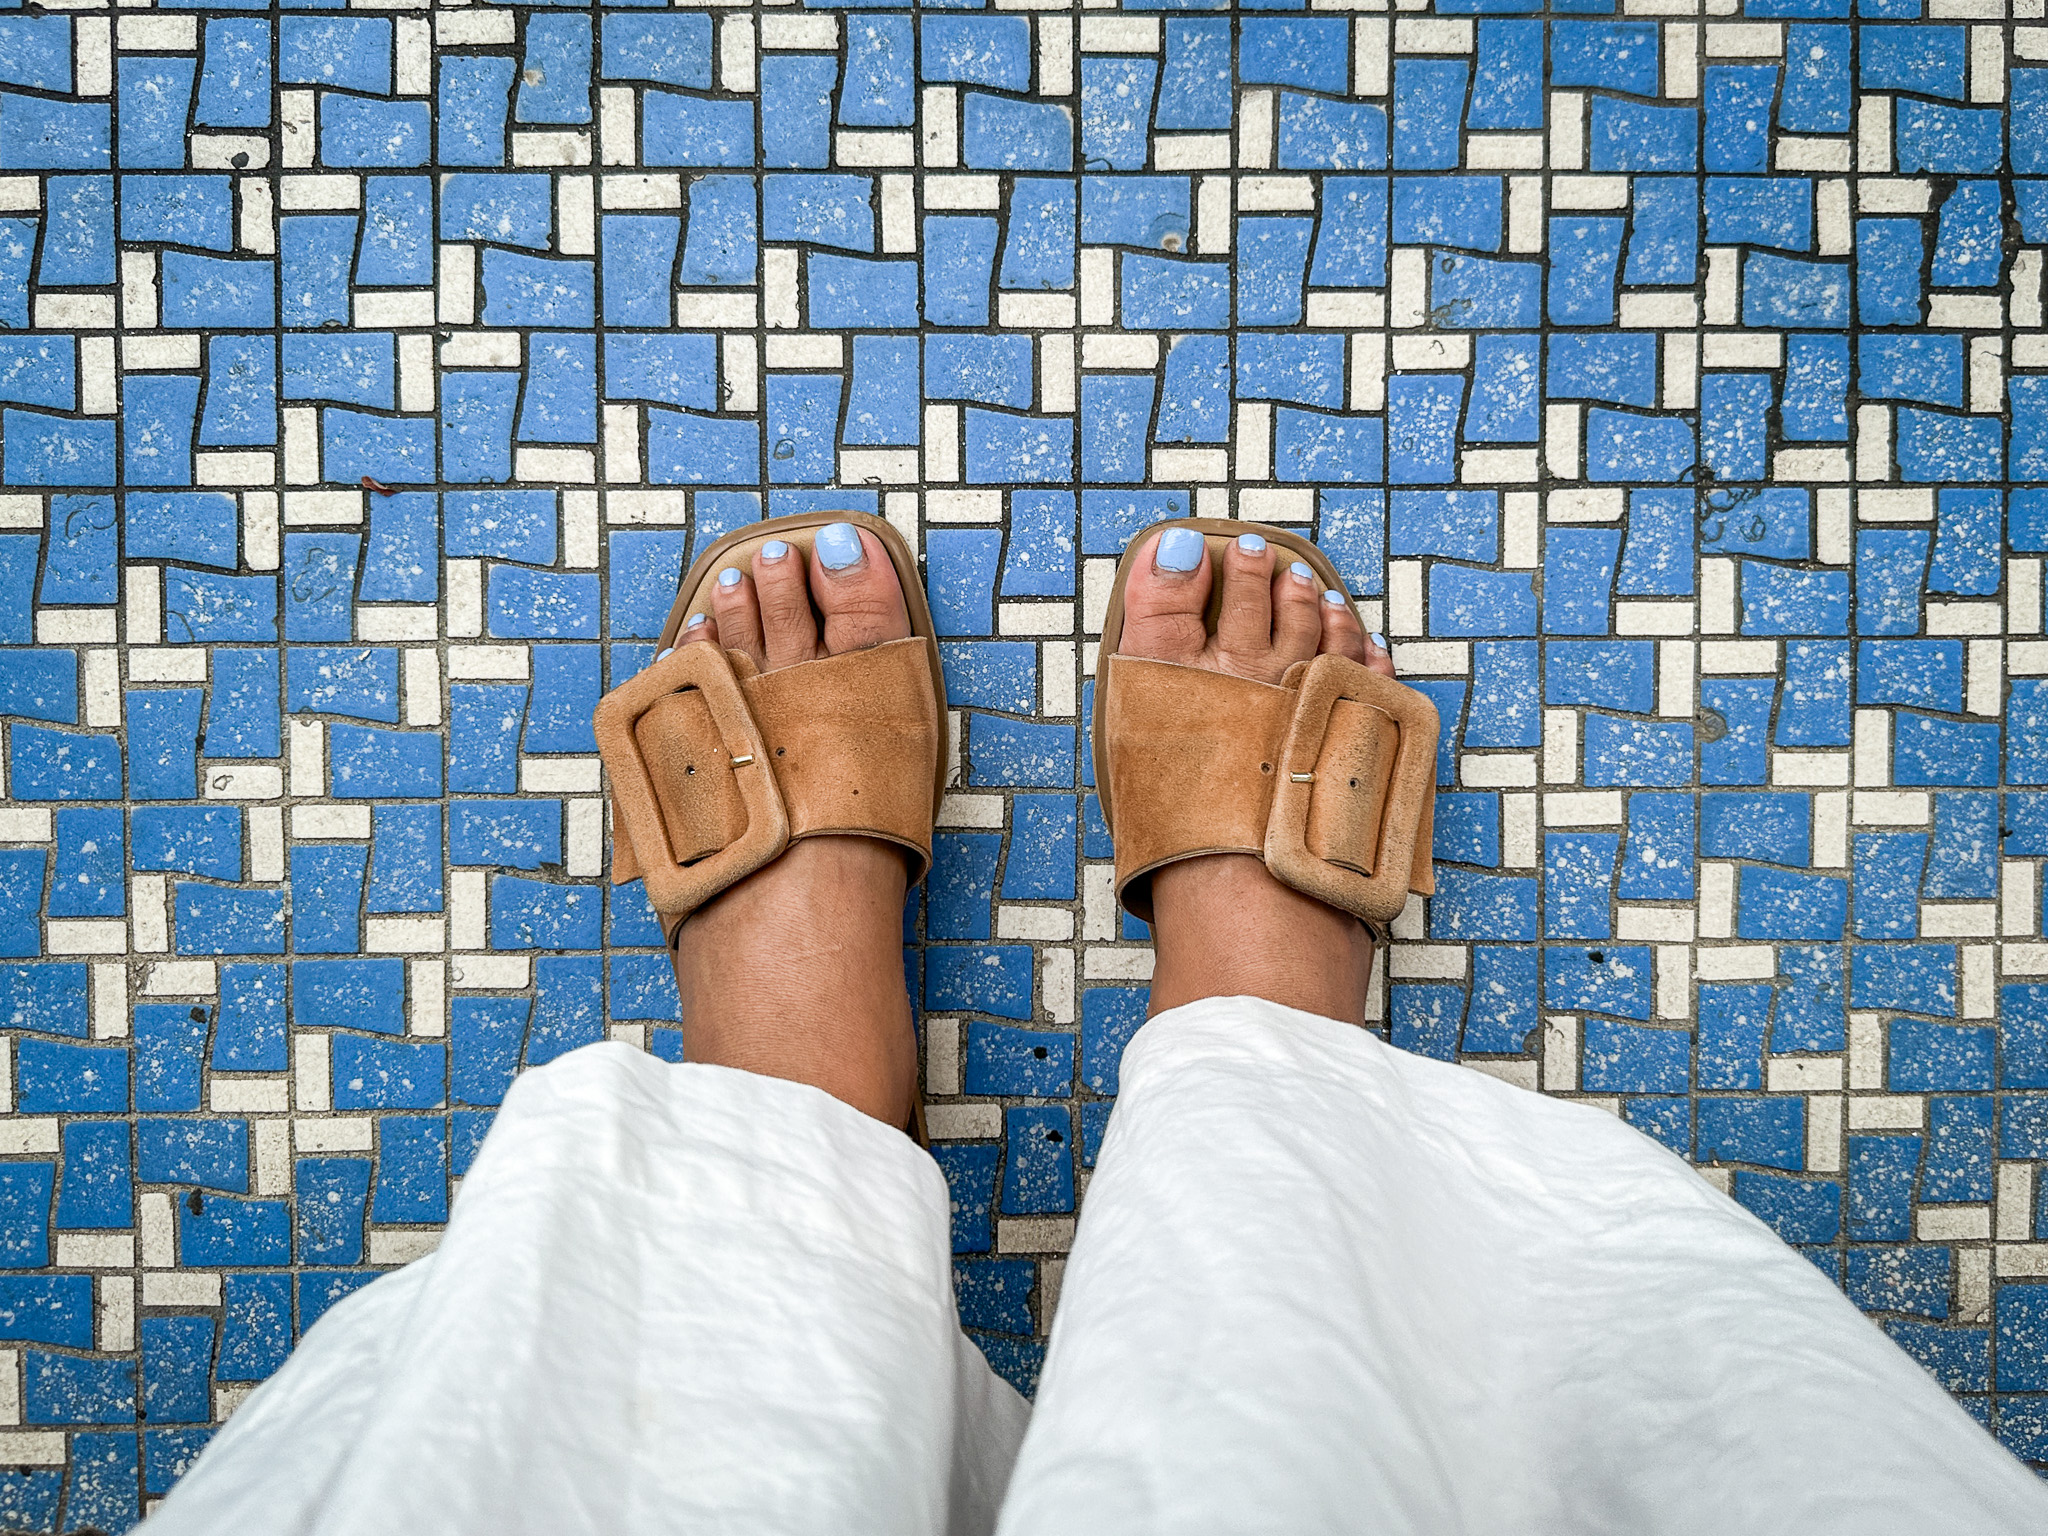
pixel 797 973
pixel 1224 927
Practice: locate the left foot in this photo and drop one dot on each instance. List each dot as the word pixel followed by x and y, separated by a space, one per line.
pixel 797 971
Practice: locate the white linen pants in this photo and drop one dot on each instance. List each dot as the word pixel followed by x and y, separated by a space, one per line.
pixel 1319 1285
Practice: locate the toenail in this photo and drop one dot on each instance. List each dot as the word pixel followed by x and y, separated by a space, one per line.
pixel 728 577
pixel 1379 641
pixel 1301 571
pixel 774 550
pixel 1251 543
pixel 695 620
pixel 668 650
pixel 838 546
pixel 1334 598
pixel 1178 549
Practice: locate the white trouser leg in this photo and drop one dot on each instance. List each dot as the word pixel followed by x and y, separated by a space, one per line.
pixel 671 1298
pixel 1321 1285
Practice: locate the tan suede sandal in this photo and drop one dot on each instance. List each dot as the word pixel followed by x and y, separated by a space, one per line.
pixel 1329 777
pixel 717 767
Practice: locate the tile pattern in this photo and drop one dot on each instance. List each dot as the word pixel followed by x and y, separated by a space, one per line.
pixel 1671 385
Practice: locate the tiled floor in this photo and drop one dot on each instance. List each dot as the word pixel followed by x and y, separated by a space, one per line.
pixel 1671 387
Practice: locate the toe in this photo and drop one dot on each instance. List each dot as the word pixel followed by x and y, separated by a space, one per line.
pixel 735 616
pixel 788 627
pixel 1343 635
pixel 855 586
pixel 1165 597
pixel 1297 615
pixel 1378 656
pixel 1244 624
pixel 698 626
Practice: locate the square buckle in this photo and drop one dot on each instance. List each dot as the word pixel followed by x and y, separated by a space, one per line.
pixel 674 887
pixel 1380 896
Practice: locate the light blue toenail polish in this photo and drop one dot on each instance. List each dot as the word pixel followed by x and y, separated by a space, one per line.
pixel 1301 571
pixel 666 650
pixel 838 546
pixel 1379 640
pixel 1334 598
pixel 774 550
pixel 695 620
pixel 1179 549
pixel 1251 543
pixel 728 577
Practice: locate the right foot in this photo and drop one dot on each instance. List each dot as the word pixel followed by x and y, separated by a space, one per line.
pixel 1222 926
pixel 797 971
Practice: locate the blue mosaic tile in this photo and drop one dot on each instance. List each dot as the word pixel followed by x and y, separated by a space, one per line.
pixel 1675 400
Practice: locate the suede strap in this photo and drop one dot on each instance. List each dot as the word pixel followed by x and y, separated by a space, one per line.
pixel 846 746
pixel 853 740
pixel 1327 777
pixel 1191 763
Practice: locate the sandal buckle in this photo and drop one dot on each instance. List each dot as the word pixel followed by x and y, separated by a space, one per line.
pixel 1409 768
pixel 674 887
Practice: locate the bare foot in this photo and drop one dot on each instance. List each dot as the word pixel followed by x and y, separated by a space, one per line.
pixel 1222 926
pixel 797 971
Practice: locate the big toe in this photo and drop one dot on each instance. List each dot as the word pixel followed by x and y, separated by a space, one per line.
pixel 854 583
pixel 1166 597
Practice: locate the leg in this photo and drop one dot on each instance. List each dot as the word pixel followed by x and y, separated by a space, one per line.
pixel 675 1298
pixel 1223 927
pixel 797 972
pixel 1323 1285
pixel 671 1298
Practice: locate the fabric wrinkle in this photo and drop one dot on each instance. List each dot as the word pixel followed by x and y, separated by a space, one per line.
pixel 1319 1285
